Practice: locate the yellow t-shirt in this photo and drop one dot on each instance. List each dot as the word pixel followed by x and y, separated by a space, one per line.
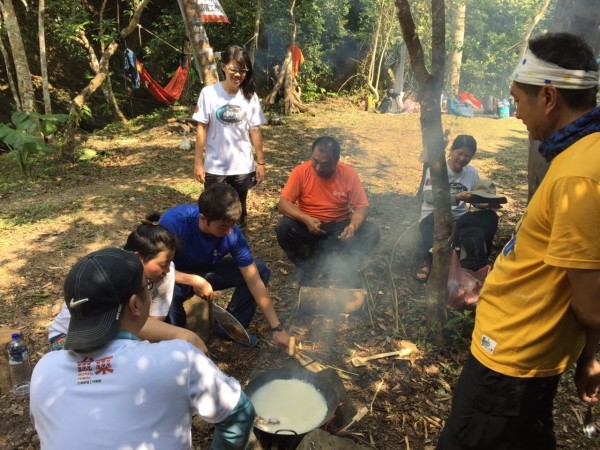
pixel 524 325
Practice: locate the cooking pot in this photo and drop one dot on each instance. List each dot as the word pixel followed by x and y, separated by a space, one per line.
pixel 289 439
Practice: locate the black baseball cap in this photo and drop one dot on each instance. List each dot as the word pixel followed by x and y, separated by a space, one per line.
pixel 95 289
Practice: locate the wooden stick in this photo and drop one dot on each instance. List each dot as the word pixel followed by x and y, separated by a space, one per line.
pixel 375 396
pixel 359 361
pixel 337 369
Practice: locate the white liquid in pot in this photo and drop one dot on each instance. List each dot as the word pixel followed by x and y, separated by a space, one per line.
pixel 295 404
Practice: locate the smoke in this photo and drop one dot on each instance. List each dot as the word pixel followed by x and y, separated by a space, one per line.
pixel 334 263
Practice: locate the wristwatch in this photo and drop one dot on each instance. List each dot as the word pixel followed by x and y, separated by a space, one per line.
pixel 277 328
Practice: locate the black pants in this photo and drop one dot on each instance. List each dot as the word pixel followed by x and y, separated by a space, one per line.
pixel 241 183
pixel 491 411
pixel 298 243
pixel 486 219
pixel 223 275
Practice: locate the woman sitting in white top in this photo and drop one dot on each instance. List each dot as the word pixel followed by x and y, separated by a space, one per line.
pixel 462 177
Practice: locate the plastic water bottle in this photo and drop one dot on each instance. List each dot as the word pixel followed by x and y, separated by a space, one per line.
pixel 18 361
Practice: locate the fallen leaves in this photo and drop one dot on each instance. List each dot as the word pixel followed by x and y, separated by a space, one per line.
pixel 16 409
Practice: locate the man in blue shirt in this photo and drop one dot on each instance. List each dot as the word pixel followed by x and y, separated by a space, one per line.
pixel 213 255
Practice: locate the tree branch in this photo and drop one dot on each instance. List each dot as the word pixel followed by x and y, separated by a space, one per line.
pixel 411 38
pixel 83 40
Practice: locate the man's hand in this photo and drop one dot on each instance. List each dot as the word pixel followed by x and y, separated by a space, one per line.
pixel 347 233
pixel 587 380
pixel 260 173
pixel 314 226
pixel 202 288
pixel 281 338
pixel 199 173
pixel 463 196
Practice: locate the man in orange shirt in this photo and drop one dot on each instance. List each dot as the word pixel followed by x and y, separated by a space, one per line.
pixel 324 203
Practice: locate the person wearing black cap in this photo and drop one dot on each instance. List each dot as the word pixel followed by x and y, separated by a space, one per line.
pixel 108 389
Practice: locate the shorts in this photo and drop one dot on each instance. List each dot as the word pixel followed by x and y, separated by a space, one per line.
pixel 242 182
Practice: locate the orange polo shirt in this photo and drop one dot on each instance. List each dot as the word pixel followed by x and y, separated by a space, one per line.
pixel 327 199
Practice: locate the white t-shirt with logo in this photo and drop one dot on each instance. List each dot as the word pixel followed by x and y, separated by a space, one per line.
pixel 459 182
pixel 129 394
pixel 162 295
pixel 229 117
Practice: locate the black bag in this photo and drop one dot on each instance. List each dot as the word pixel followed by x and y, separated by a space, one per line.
pixel 469 243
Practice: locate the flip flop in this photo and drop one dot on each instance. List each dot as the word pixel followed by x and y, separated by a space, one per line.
pixel 422 274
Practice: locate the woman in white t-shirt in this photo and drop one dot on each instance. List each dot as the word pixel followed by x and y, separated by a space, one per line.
pixel 229 116
pixel 155 245
pixel 462 177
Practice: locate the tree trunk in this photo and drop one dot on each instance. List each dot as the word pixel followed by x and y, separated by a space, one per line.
pixel 43 62
pixel 430 89
pixel 536 168
pixel 9 75
pixel 288 88
pixel 387 32
pixel 109 94
pixel 96 82
pixel 373 53
pixel 581 17
pixel 399 72
pixel 107 89
pixel 203 52
pixel 288 96
pixel 458 38
pixel 285 77
pixel 19 55
pixel 254 47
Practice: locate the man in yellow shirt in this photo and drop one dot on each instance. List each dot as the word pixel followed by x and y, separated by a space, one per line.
pixel 539 310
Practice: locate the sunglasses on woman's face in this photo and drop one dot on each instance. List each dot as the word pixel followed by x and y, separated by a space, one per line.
pixel 237 70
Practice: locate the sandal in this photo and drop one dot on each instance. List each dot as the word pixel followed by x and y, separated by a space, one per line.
pixel 422 274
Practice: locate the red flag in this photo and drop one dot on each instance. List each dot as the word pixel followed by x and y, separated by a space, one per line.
pixel 211 11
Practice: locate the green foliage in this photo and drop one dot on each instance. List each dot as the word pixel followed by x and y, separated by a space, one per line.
pixel 322 34
pixel 24 136
pixel 312 91
pixel 158 54
pixel 494 31
pixel 334 35
pixel 460 326
pixel 85 112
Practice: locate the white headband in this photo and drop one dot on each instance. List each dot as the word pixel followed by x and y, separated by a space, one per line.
pixel 535 71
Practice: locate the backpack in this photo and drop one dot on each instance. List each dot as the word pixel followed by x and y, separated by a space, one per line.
pixel 470 246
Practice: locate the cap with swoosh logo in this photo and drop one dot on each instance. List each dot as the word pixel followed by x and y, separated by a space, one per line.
pixel 95 290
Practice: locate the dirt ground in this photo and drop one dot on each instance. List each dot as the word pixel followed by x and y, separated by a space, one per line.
pixel 47 224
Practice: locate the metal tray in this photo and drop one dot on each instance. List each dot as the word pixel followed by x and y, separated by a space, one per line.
pixel 229 324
